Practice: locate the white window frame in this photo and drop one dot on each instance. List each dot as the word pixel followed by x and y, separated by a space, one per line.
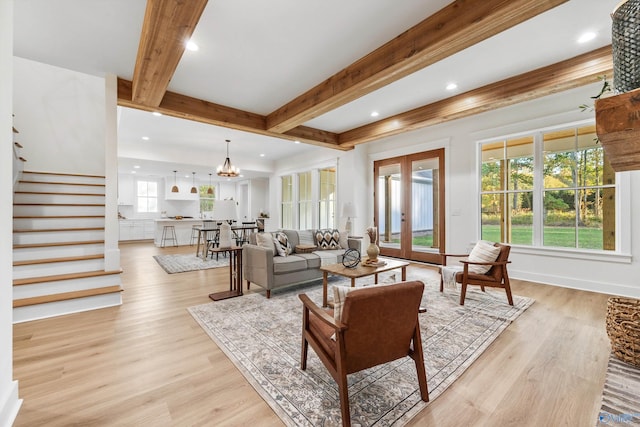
pixel 622 252
pixel 137 196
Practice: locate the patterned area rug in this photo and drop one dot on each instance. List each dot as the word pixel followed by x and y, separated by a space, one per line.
pixel 620 397
pixel 262 337
pixel 180 263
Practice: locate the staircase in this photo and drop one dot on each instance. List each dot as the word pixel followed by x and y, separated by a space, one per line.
pixel 58 246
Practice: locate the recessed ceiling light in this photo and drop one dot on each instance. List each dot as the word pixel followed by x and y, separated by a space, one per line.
pixel 374 114
pixel 146 138
pixel 157 113
pixel 192 46
pixel 452 86
pixel 186 176
pixel 296 142
pixel 587 37
pixel 261 154
pixel 133 171
pixel 241 176
pixel 136 166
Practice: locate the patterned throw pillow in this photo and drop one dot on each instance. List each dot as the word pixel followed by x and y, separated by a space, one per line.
pixel 483 252
pixel 282 244
pixel 328 239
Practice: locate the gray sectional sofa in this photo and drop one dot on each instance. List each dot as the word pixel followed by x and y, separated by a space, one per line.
pixel 263 266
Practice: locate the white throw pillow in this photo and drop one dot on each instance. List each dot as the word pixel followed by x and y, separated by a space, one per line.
pixel 265 240
pixel 483 252
pixel 344 240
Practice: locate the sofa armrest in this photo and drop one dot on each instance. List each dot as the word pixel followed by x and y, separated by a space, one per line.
pixel 257 265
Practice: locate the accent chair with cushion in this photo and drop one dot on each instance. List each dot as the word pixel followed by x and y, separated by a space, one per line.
pixel 373 325
pixel 486 265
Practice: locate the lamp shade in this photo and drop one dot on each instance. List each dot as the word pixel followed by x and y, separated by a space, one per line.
pixel 349 210
pixel 225 210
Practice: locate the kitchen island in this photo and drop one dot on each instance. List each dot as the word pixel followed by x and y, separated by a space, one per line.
pixel 183 229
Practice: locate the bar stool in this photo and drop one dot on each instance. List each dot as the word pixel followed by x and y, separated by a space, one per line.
pixel 195 231
pixel 168 234
pixel 246 231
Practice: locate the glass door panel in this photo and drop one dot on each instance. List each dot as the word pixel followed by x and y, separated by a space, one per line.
pixel 389 208
pixel 425 208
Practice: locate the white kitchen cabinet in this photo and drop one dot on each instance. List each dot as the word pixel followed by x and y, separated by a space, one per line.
pixel 137 229
pixel 126 194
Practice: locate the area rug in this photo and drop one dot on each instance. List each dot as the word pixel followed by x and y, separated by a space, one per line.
pixel 620 397
pixel 180 263
pixel 262 337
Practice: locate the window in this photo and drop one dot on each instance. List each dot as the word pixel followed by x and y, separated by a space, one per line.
pixel 551 189
pixel 206 198
pixel 327 201
pixel 286 214
pixel 147 196
pixel 305 201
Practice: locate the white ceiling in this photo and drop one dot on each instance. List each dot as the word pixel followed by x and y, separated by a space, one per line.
pixel 257 55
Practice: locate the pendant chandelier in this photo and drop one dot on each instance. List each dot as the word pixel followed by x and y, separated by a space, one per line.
pixel 174 189
pixel 227 169
pixel 210 190
pixel 194 190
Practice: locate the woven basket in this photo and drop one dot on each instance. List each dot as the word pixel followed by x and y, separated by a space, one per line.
pixel 623 328
pixel 625 37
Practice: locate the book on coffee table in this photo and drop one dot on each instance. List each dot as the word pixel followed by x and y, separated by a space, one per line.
pixel 377 263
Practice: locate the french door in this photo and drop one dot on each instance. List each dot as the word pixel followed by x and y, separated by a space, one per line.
pixel 409 206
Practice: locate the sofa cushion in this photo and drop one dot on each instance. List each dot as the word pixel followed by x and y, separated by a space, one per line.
pixel 281 241
pixel 292 235
pixel 328 238
pixel 288 264
pixel 313 260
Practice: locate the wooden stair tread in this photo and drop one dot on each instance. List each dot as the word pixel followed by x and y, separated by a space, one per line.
pixel 64 174
pixel 64 296
pixel 58 204
pixel 52 244
pixel 22 159
pixel 56 216
pixel 53 230
pixel 58 194
pixel 15 130
pixel 66 276
pixel 62 259
pixel 17 144
pixel 61 183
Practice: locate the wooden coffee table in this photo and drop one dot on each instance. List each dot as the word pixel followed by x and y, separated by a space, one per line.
pixel 359 271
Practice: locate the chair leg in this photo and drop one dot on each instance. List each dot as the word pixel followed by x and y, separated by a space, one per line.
pixel 441 282
pixel 305 344
pixel 418 358
pixel 343 389
pixel 463 292
pixel 507 288
pixel 268 293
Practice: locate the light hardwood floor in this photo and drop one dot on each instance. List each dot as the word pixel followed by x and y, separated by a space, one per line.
pixel 147 362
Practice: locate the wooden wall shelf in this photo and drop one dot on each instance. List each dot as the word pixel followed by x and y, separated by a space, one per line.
pixel 618 128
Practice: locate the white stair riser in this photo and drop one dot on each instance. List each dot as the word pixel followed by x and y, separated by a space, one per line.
pixel 58 198
pixel 28 254
pixel 59 223
pixel 36 237
pixel 48 210
pixel 42 177
pixel 43 311
pixel 52 268
pixel 60 188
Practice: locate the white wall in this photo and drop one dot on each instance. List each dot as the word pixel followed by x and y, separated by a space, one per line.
pixel 57 108
pixel 9 402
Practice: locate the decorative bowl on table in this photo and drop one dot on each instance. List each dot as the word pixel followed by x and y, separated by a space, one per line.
pixel 178 216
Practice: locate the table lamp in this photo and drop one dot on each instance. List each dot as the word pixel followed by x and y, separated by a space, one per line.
pixel 349 210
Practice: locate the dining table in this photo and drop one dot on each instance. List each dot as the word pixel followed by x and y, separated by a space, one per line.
pixel 239 233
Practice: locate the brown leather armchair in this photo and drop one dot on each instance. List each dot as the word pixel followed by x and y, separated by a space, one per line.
pixel 496 277
pixel 379 324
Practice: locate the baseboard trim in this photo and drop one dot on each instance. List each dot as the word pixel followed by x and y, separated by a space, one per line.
pixel 579 284
pixel 10 405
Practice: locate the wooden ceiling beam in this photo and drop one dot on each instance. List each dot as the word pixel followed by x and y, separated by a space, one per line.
pixel 167 26
pixel 459 25
pixel 575 72
pixel 186 107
